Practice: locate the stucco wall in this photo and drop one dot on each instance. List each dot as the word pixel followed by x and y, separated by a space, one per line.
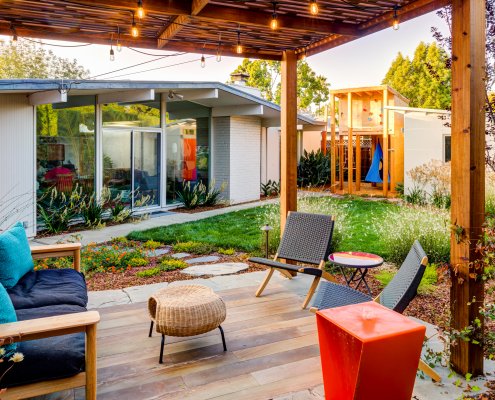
pixel 423 141
pixel 17 158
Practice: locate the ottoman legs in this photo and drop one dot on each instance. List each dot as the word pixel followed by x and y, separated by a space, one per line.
pixel 223 338
pixel 151 328
pixel 161 349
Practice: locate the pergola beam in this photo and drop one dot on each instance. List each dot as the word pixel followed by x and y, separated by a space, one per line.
pixel 406 13
pixel 173 29
pixel 468 176
pixel 197 6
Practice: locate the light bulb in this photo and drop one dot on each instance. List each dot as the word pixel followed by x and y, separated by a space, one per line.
pixel 303 57
pixel 219 56
pixel 239 48
pixel 119 47
pixel 203 61
pixel 395 24
pixel 14 39
pixel 134 30
pixel 274 22
pixel 140 10
pixel 313 7
pixel 112 54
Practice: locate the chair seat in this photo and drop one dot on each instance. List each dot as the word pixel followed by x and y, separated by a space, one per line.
pixel 274 264
pixel 51 358
pixel 48 288
pixel 330 295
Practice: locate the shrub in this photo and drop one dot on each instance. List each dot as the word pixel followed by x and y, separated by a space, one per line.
pixel 210 196
pixel 193 247
pixel 189 195
pixel 151 244
pixel 171 264
pixel 120 240
pixel 110 259
pixel 149 272
pixel 416 196
pixel 92 211
pixel 227 252
pixel 270 188
pixel 400 228
pixel 57 210
pixel 137 262
pixel 313 169
pixel 119 212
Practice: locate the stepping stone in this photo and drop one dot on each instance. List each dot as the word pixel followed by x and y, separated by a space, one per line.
pixel 178 256
pixel 215 269
pixel 158 252
pixel 205 259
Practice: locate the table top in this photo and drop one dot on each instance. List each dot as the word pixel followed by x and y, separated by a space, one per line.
pixel 355 259
pixel 370 321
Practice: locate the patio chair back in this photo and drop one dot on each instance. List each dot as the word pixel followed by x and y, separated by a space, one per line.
pixel 403 287
pixel 306 238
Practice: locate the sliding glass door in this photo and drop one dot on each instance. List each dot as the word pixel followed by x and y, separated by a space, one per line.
pixel 131 166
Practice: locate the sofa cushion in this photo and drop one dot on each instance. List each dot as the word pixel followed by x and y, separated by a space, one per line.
pixel 51 358
pixel 49 287
pixel 15 255
pixel 7 314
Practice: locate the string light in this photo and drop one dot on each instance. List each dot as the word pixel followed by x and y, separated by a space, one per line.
pixel 134 29
pixel 14 35
pixel 219 48
pixel 238 48
pixel 119 45
pixel 313 7
pixel 274 21
pixel 303 57
pixel 203 61
pixel 395 23
pixel 112 54
pixel 140 9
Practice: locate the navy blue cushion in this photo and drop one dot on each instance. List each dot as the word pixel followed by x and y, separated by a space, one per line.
pixel 15 255
pixel 49 287
pixel 50 358
pixel 7 314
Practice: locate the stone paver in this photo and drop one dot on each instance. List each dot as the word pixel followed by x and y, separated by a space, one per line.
pixel 178 256
pixel 199 260
pixel 215 269
pixel 159 252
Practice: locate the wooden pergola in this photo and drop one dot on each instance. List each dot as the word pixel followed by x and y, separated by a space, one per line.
pixel 242 28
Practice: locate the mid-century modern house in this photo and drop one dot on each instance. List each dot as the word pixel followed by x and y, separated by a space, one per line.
pixel 138 139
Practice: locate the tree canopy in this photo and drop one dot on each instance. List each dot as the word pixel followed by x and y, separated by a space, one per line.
pixel 312 89
pixel 28 60
pixel 425 80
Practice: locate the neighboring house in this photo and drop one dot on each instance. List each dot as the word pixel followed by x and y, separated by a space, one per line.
pixel 141 140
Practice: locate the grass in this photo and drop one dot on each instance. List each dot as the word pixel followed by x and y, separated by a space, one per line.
pixel 240 230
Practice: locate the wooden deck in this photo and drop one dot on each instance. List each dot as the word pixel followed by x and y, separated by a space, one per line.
pixel 272 350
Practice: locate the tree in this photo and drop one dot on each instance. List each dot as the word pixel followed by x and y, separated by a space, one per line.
pixel 312 89
pixel 425 80
pixel 28 60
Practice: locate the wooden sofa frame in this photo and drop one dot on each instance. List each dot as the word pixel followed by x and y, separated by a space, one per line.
pixel 56 326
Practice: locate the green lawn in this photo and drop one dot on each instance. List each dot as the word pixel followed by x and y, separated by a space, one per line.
pixel 241 229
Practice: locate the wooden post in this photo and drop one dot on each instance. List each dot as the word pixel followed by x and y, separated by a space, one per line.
pixel 468 174
pixel 333 164
pixel 323 143
pixel 341 161
pixel 91 367
pixel 350 147
pixel 358 163
pixel 385 143
pixel 288 153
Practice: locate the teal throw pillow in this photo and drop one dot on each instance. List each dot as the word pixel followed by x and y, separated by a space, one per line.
pixel 7 314
pixel 15 256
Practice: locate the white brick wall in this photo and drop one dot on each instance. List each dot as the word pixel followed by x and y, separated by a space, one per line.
pixel 245 149
pixel 221 153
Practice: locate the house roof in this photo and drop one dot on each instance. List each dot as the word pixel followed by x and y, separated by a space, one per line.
pixel 222 98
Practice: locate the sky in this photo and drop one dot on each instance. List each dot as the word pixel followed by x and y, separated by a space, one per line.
pixel 363 62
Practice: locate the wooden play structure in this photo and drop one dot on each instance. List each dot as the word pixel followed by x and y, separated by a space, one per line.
pixel 367 140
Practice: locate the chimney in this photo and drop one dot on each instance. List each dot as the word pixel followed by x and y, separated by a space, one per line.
pixel 239 78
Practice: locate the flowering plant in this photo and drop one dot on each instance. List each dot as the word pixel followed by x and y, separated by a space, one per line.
pixel 13 359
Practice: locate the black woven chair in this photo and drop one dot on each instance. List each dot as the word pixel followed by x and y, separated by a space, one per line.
pixel 397 295
pixel 306 239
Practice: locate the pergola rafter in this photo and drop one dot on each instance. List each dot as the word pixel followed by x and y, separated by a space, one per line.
pixel 196 26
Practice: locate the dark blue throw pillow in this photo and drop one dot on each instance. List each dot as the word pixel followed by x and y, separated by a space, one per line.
pixel 15 256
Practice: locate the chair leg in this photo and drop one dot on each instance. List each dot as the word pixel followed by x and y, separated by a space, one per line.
pixel 151 329
pixel 223 338
pixel 311 292
pixel 429 371
pixel 161 349
pixel 264 283
pixel 91 362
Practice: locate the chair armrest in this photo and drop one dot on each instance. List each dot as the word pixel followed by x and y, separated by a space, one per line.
pixel 59 250
pixel 318 273
pixel 40 328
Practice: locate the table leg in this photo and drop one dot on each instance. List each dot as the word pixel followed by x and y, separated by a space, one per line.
pixel 363 279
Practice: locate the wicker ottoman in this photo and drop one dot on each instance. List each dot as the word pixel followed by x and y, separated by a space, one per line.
pixel 186 311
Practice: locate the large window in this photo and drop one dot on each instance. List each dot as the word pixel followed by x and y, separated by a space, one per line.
pixel 143 114
pixel 447 148
pixel 65 152
pixel 187 136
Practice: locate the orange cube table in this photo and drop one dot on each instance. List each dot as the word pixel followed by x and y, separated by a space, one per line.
pixel 368 352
